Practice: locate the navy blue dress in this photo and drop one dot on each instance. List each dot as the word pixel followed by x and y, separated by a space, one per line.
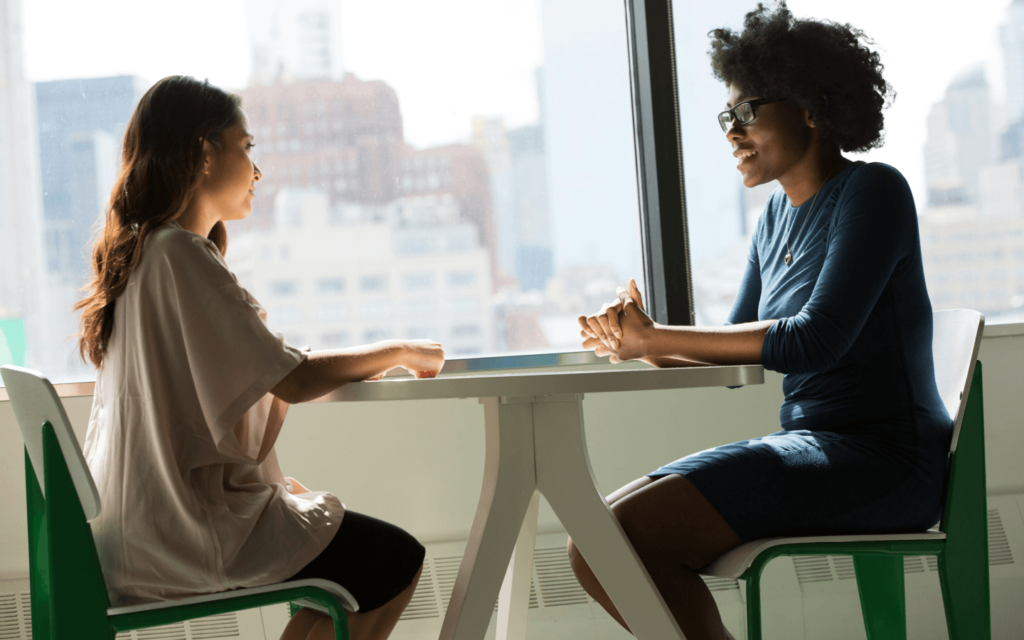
pixel 865 435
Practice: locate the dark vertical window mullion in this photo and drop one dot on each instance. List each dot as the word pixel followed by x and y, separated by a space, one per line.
pixel 659 159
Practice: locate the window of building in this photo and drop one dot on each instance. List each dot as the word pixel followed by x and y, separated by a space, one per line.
pixel 285 314
pixel 373 283
pixel 282 288
pixel 465 331
pixel 330 286
pixel 336 339
pixel 419 281
pixel 459 279
pixel 333 312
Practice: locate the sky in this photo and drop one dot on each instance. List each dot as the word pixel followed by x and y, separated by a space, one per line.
pixel 448 60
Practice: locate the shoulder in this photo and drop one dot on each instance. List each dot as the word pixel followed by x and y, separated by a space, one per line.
pixel 878 177
pixel 171 249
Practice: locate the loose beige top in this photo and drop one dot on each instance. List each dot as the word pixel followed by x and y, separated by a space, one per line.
pixel 181 436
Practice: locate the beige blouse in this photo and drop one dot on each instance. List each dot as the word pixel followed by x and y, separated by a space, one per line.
pixel 181 436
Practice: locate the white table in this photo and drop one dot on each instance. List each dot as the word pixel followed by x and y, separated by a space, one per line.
pixel 535 444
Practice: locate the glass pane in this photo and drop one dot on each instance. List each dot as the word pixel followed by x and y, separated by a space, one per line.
pixel 955 132
pixel 458 170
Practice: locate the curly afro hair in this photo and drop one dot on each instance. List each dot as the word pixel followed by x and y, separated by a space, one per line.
pixel 820 66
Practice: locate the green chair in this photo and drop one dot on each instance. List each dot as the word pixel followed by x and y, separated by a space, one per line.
pixel 960 542
pixel 68 593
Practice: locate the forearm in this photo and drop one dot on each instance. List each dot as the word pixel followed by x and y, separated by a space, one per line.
pixel 325 371
pixel 733 344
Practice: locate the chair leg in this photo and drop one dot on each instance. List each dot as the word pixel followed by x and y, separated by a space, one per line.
pixel 754 607
pixel 882 596
pixel 965 594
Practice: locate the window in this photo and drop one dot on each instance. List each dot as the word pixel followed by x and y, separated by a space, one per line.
pixel 963 164
pixel 465 331
pixel 282 288
pixel 419 281
pixel 330 286
pixel 336 339
pixel 529 183
pixel 286 314
pixel 373 284
pixel 459 279
pixel 332 312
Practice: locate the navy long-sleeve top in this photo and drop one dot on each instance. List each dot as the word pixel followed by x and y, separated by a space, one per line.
pixel 854 330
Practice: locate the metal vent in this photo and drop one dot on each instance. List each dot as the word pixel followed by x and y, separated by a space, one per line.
pixel 998 546
pixel 558 584
pixel 812 569
pixel 174 631
pixel 932 562
pixel 224 625
pixel 913 564
pixel 26 614
pixel 424 599
pixel 10 620
pixel 445 571
pixel 721 584
pixel 844 567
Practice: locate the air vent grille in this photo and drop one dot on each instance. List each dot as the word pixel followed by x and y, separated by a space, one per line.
pixel 721 584
pixel 10 620
pixel 558 584
pixel 998 546
pixel 812 569
pixel 174 631
pixel 424 599
pixel 224 625
pixel 446 569
pixel 844 567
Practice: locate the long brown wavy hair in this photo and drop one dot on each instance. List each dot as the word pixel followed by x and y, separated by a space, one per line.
pixel 161 161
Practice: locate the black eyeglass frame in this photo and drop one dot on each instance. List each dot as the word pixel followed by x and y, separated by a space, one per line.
pixel 727 117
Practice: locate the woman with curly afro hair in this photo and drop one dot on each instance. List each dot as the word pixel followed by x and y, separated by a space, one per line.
pixel 833 297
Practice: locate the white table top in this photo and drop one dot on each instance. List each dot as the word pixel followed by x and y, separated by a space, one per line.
pixel 546 384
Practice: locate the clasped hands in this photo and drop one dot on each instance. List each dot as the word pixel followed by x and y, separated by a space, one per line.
pixel 621 329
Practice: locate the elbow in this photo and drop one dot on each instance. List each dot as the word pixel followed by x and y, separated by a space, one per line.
pixel 800 350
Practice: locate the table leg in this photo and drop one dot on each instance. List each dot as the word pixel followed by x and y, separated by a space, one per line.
pixel 514 597
pixel 565 478
pixel 508 487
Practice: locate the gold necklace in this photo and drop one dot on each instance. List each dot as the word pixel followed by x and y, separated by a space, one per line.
pixel 789 254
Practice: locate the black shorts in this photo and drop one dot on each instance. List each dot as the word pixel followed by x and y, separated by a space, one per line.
pixel 371 558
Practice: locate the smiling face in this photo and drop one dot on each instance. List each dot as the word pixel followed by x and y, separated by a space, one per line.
pixel 229 183
pixel 778 141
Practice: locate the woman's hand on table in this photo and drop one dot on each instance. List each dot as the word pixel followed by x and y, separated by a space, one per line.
pixel 422 358
pixel 620 329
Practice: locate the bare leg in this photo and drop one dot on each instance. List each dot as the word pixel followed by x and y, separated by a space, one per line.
pixel 371 625
pixel 300 624
pixel 675 531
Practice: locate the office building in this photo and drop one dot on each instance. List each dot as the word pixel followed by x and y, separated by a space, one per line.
pixel 333 277
pixel 960 140
pixel 81 125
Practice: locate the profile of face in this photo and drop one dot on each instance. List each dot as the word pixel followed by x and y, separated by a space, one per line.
pixel 228 183
pixel 774 143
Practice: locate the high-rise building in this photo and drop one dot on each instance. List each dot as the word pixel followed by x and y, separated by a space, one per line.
pixel 21 266
pixel 81 125
pixel 960 140
pixel 1011 37
pixel 346 139
pixel 517 167
pixel 294 40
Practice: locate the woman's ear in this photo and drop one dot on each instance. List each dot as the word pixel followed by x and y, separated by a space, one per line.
pixel 207 156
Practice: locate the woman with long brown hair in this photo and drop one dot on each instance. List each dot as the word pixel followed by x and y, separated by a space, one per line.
pixel 192 389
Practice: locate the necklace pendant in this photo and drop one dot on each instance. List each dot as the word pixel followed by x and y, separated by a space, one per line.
pixel 788 258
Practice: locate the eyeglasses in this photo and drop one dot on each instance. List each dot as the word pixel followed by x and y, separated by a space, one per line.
pixel 743 113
